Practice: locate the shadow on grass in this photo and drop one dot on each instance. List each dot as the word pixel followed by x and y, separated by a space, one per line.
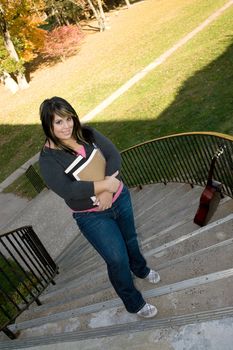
pixel 42 61
pixel 39 62
pixel 203 103
pixel 18 144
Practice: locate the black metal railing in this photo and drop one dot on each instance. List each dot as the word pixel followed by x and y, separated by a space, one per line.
pixel 35 179
pixel 180 158
pixel 26 269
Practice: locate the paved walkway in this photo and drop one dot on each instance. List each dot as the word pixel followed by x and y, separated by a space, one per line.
pixel 10 207
pixel 10 204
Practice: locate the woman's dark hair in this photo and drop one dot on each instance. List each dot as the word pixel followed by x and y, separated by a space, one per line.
pixel 62 108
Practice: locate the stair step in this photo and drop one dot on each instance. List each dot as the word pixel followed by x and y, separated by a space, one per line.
pixel 174 275
pixel 151 193
pixel 171 239
pixel 184 226
pixel 206 236
pixel 201 238
pixel 75 287
pixel 166 215
pixel 171 300
pixel 131 335
pixel 201 261
pixel 215 249
pixel 162 205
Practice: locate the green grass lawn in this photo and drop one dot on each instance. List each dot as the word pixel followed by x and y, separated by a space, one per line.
pixel 191 91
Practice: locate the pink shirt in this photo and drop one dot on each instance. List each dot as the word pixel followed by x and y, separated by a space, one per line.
pixel 82 152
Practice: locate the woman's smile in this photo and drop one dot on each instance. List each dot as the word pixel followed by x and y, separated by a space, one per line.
pixel 63 127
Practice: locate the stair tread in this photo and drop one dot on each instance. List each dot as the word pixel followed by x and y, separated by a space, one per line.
pixel 153 294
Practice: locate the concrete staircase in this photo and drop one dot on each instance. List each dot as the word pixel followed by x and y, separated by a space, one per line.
pixel 195 265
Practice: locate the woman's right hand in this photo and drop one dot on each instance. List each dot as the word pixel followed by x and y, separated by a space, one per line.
pixel 112 182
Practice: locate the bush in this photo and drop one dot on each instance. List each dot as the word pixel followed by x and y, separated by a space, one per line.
pixel 62 42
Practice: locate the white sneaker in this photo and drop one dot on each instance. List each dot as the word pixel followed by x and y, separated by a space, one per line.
pixel 147 311
pixel 153 276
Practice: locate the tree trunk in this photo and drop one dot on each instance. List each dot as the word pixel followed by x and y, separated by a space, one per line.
pixel 97 16
pixel 102 15
pixel 127 3
pixel 10 83
pixel 21 79
pixel 101 9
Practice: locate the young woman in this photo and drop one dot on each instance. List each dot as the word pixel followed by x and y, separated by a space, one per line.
pixel 83 167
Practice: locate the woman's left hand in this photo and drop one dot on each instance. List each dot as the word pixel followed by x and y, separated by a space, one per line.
pixel 104 200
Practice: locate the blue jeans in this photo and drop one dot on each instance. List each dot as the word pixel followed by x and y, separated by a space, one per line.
pixel 112 233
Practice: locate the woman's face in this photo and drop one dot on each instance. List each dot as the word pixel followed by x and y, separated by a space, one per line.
pixel 63 127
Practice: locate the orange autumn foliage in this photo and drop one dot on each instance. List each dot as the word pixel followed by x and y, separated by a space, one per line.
pixel 23 18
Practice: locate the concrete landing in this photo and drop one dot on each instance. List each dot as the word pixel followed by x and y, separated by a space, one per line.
pixel 48 214
pixel 10 207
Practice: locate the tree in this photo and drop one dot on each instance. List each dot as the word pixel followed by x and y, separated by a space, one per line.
pixel 21 37
pixel 13 56
pixel 63 12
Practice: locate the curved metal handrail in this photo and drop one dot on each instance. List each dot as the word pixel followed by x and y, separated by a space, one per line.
pixel 182 158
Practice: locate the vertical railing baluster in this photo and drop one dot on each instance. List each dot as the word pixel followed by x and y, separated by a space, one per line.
pixel 188 147
pixel 38 257
pixel 140 173
pixel 5 313
pixel 200 167
pixel 7 296
pixel 168 168
pixel 127 174
pixel 8 263
pixel 160 164
pixel 176 159
pixel 22 266
pixel 12 285
pixel 41 248
pixel 152 163
pixel 26 262
pixel 190 174
pixel 142 154
pixel 191 162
